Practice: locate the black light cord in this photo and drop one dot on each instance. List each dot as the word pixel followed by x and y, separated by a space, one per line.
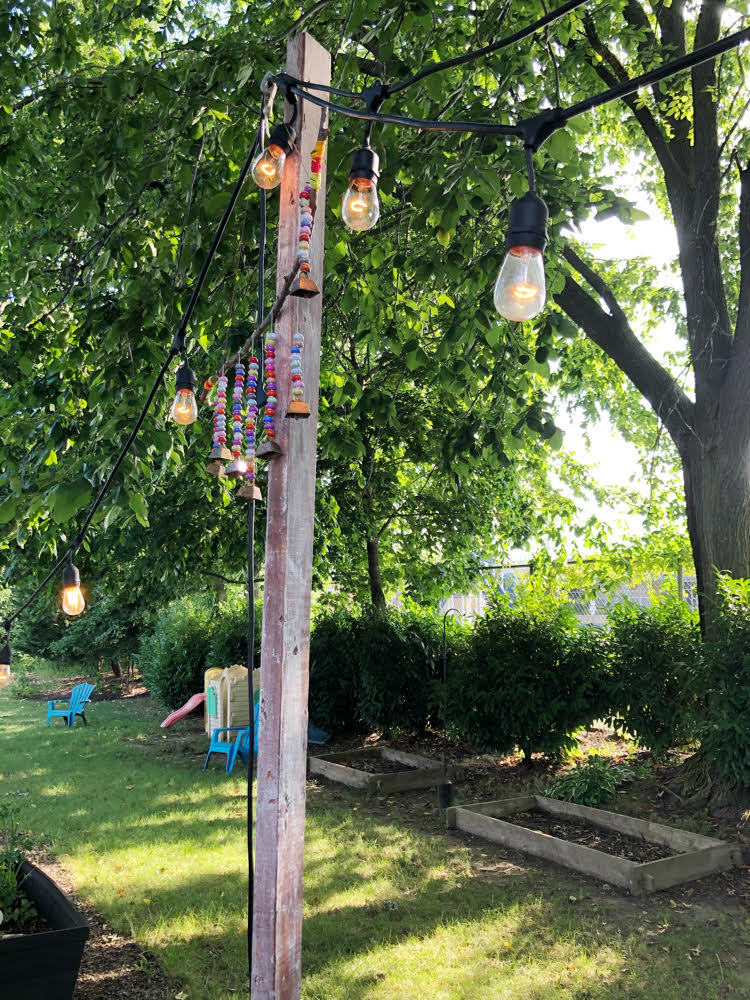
pixel 251 618
pixel 177 348
pixel 535 130
pixel 486 50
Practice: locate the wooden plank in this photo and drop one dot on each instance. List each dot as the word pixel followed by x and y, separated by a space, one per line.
pixel 404 781
pixel 282 744
pixel 338 772
pixel 666 872
pixel 503 807
pixel 655 833
pixel 368 753
pixel 410 759
pixel 616 871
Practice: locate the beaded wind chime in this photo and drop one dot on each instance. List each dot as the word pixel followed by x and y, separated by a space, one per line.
pixel 304 286
pixel 269 446
pixel 219 451
pixel 250 490
pixel 237 468
pixel 298 408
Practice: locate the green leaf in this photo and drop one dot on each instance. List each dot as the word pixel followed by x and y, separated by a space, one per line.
pixel 7 510
pixel 138 505
pixel 67 500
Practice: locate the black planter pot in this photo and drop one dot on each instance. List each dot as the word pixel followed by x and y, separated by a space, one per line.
pixel 44 966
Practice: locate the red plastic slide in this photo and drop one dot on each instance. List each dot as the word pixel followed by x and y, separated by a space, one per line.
pixel 187 708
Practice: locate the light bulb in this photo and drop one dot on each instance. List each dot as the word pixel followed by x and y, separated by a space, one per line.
pixel 520 290
pixel 72 597
pixel 360 208
pixel 72 601
pixel 6 656
pixel 184 408
pixel 269 166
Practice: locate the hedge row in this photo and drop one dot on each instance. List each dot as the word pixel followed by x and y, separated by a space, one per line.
pixel 526 675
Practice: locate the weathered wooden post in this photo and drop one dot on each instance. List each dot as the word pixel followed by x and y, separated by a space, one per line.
pixel 282 746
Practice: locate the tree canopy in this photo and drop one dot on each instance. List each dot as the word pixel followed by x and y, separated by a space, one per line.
pixel 124 128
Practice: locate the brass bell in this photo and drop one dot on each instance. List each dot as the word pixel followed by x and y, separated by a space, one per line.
pixel 268 449
pixel 236 470
pixel 298 409
pixel 304 287
pixel 250 491
pixel 216 459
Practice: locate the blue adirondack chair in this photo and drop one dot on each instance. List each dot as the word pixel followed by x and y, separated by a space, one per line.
pixel 233 748
pixel 79 697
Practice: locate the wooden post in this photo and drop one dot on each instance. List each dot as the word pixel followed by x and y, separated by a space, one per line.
pixel 282 745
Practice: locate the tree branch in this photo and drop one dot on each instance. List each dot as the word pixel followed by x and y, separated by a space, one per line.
pixel 613 334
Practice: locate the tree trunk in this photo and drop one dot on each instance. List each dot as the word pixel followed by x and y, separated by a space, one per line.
pixel 377 593
pixel 716 473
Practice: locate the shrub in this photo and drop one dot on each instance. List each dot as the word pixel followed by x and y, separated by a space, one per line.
pixel 399 655
pixel 110 629
pixel 654 657
pixel 229 633
pixel 532 676
pixel 593 781
pixel 723 687
pixel 172 658
pixel 334 672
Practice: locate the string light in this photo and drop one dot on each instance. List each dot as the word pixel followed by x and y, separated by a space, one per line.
pixel 520 287
pixel 73 602
pixel 360 207
pixel 184 408
pixel 268 168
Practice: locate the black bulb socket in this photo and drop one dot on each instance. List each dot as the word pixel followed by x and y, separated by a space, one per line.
pixel 6 654
pixel 284 136
pixel 71 576
pixel 365 163
pixel 185 378
pixel 528 223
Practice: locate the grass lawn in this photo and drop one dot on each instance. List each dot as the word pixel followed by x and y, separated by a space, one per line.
pixel 394 907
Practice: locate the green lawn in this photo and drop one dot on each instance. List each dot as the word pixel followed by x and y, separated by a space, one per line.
pixel 394 908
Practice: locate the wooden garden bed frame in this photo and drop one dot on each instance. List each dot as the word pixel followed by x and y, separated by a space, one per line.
pixel 697 855
pixel 425 773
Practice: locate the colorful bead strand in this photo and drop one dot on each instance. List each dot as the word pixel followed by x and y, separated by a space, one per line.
pixel 304 286
pixel 297 405
pixel 219 453
pixel 237 468
pixel 269 424
pixel 250 490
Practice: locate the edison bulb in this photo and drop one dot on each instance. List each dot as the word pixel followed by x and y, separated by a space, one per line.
pixel 360 208
pixel 72 600
pixel 184 408
pixel 520 290
pixel 269 166
pixel 4 674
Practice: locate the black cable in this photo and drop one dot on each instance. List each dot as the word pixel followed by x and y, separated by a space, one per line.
pixel 481 128
pixel 178 347
pixel 502 43
pixel 628 87
pixel 251 622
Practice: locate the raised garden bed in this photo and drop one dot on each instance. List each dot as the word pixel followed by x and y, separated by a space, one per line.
pixel 684 856
pixel 382 769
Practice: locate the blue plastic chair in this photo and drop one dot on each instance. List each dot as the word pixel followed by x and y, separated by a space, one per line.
pixel 238 747
pixel 79 698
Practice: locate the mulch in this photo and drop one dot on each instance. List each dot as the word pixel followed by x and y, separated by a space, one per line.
pixel 578 832
pixel 375 765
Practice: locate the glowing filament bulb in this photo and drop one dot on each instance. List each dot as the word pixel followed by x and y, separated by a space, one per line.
pixel 360 208
pixel 520 289
pixel 184 408
pixel 72 597
pixel 269 166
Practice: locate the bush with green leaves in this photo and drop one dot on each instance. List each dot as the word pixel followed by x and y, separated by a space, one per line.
pixel 400 656
pixel 594 781
pixel 334 672
pixel 654 655
pixel 229 632
pixel 172 657
pixel 15 907
pixel 723 687
pixel 532 676
pixel 109 630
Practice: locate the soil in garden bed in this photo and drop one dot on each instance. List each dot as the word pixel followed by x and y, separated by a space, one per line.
pixel 36 925
pixel 579 832
pixel 376 765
